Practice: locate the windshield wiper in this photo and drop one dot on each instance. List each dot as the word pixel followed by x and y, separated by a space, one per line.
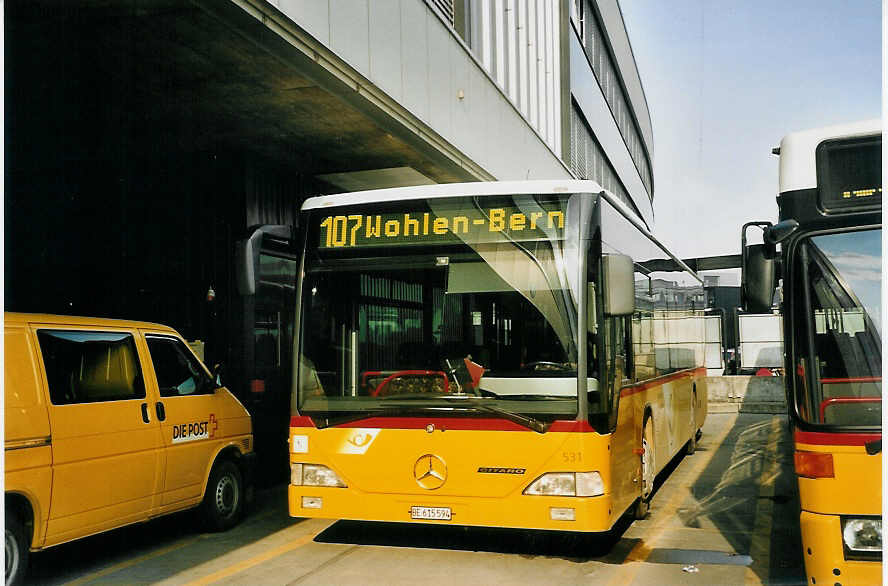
pixel 325 421
pixel 523 420
pixel 474 403
pixel 464 405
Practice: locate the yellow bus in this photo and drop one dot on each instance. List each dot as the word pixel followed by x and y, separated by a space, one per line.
pixel 510 354
pixel 830 236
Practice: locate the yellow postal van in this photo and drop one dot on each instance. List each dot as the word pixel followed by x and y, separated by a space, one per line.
pixel 109 423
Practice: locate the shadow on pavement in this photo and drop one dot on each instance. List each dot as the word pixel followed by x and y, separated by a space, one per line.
pixel 756 453
pixel 93 557
pixel 605 548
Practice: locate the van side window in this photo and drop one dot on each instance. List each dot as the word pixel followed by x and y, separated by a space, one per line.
pixel 87 367
pixel 178 371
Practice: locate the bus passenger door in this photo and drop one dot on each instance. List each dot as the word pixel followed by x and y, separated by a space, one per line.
pixel 625 463
pixel 272 342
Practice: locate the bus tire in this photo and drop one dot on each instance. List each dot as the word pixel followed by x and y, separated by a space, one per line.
pixel 691 446
pixel 17 549
pixel 223 502
pixel 643 505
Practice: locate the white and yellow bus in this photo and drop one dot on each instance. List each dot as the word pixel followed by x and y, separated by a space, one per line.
pixel 512 354
pixel 830 236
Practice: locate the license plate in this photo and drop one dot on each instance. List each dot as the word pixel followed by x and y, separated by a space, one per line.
pixel 433 513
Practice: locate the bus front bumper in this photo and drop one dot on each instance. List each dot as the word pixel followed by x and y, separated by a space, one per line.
pixel 824 552
pixel 583 514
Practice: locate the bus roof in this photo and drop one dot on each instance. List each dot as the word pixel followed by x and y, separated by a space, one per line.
pixel 798 168
pixel 477 188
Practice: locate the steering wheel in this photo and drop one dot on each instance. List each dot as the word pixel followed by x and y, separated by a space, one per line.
pixel 544 363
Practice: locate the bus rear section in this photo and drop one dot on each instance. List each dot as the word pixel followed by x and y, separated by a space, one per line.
pixel 488 360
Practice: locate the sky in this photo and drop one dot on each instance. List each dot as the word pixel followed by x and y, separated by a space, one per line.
pixel 725 81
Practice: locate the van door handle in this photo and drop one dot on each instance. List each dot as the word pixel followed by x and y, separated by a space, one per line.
pixel 145 413
pixel 161 412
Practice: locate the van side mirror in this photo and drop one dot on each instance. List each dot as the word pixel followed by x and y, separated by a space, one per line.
pixel 618 272
pixel 217 375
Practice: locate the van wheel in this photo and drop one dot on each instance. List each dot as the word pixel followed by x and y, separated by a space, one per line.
pixel 643 505
pixel 223 502
pixel 17 550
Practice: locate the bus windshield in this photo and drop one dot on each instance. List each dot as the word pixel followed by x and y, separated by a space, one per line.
pixel 442 306
pixel 842 280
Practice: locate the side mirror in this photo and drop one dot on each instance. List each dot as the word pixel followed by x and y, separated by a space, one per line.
pixel 618 272
pixel 759 272
pixel 780 231
pixel 246 261
pixel 759 267
pixel 217 375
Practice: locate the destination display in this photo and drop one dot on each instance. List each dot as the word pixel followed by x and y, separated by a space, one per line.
pixel 849 175
pixel 443 224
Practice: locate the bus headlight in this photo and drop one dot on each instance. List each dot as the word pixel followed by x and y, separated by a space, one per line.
pixel 314 475
pixel 862 535
pixel 567 484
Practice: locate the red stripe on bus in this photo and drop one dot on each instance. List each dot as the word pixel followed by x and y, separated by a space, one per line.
pixel 842 400
pixel 445 423
pixel 631 390
pixel 820 438
pixel 856 379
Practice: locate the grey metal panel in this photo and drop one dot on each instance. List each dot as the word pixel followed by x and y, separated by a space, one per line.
pixel 415 57
pixel 441 92
pixel 587 93
pixel 433 65
pixel 460 63
pixel 312 15
pixel 385 46
pixel 349 32
pixel 714 353
pixel 761 340
pixel 480 114
pixel 612 19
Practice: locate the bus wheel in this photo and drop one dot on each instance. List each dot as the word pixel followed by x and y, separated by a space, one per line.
pixel 223 502
pixel 691 446
pixel 16 550
pixel 647 470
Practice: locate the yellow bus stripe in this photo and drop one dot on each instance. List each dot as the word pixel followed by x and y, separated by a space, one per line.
pixel 253 561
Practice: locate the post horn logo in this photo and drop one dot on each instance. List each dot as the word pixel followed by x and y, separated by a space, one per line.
pixel 430 472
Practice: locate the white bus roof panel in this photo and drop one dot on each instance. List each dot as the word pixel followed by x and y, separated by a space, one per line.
pixel 477 188
pixel 798 166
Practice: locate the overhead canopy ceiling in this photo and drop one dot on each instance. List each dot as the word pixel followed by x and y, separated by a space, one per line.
pixel 190 77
